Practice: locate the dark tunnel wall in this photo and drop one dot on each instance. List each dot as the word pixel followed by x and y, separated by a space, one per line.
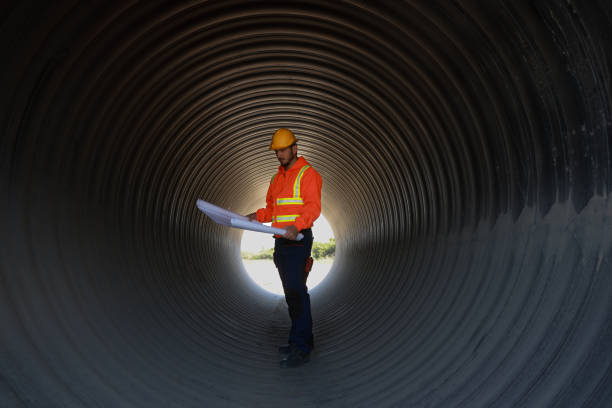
pixel 465 153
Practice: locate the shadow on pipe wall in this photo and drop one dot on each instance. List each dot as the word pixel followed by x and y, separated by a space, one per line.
pixel 465 156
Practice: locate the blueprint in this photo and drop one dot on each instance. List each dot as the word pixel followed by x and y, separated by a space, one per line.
pixel 232 219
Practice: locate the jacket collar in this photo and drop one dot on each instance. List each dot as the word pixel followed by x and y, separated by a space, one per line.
pixel 301 161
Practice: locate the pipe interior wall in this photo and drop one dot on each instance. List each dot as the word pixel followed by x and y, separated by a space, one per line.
pixel 465 153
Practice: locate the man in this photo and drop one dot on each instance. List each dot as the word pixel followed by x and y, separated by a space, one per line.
pixel 293 202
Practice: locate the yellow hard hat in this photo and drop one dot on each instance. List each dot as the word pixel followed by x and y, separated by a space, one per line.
pixel 282 138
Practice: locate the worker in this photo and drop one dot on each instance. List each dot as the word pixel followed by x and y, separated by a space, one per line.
pixel 293 202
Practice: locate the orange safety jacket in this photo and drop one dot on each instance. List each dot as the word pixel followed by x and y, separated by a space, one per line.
pixel 294 197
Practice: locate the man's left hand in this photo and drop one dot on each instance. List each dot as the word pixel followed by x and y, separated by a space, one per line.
pixel 291 232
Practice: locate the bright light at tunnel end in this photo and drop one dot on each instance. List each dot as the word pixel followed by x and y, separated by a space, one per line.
pixel 263 271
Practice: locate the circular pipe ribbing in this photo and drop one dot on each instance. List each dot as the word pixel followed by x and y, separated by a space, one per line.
pixel 465 153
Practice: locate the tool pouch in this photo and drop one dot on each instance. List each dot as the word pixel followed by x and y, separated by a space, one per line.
pixel 307 268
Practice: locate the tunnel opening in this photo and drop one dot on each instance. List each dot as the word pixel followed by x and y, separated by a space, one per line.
pixel 256 251
pixel 465 155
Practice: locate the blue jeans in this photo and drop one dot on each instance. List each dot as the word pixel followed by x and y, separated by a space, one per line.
pixel 290 260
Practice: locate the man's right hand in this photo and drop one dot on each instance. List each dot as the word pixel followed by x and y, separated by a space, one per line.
pixel 252 216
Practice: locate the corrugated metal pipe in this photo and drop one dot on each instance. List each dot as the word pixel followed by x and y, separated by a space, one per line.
pixel 465 153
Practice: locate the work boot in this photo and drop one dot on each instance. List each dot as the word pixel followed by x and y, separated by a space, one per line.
pixel 284 351
pixel 296 358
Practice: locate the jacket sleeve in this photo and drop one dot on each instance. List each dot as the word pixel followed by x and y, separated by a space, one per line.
pixel 265 214
pixel 311 194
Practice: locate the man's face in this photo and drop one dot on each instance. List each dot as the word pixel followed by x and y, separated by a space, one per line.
pixel 286 155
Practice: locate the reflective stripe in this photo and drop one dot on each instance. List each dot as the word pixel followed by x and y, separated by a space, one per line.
pixel 296 185
pixel 289 201
pixel 296 199
pixel 286 218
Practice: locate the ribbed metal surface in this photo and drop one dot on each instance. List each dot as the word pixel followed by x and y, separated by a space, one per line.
pixel 465 153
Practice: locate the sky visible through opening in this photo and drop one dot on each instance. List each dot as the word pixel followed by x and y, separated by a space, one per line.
pixel 264 273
